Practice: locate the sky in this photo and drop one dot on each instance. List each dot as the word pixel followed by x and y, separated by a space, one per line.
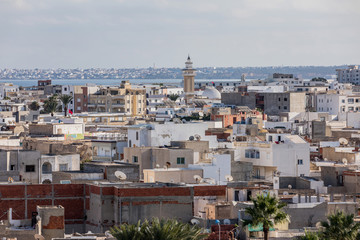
pixel 161 33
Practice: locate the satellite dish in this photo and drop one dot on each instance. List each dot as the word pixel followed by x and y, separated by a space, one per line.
pixel 229 178
pixel 211 181
pixel 343 141
pixel 325 159
pixel 39 237
pixel 345 161
pixel 228 138
pixel 194 221
pixel 197 178
pixel 157 165
pixel 120 175
pixel 289 186
pixel 227 221
pixel 197 137
pixel 285 193
pixel 191 138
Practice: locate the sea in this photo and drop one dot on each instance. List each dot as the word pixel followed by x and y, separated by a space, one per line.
pixel 108 82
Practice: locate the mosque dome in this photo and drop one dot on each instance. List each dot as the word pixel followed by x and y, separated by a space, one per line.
pixel 211 93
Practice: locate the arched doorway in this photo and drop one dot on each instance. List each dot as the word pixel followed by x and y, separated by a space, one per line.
pixel 46 168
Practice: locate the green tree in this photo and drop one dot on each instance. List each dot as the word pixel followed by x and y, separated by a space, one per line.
pixel 173 97
pixel 158 230
pixel 319 79
pixel 34 106
pixel 65 99
pixel 310 236
pixel 340 226
pixel 51 104
pixel 267 211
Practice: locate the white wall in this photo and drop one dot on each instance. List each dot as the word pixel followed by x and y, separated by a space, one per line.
pixel 220 162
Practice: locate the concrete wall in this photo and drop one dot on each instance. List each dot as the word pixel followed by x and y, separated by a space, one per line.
pixel 239 99
pixel 52 221
pixel 173 175
pixel 19 160
pixel 131 170
pixel 241 171
pixel 306 215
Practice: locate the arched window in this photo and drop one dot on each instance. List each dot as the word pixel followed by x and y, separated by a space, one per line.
pixel 46 168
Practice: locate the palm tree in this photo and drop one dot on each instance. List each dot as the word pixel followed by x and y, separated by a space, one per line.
pixel 267 211
pixel 34 106
pixel 51 104
pixel 65 99
pixel 173 97
pixel 340 226
pixel 310 236
pixel 158 230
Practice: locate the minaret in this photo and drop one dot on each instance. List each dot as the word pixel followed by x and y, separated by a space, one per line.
pixel 188 82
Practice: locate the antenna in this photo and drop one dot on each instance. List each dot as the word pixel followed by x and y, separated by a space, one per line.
pixel 120 175
pixel 229 178
pixel 197 178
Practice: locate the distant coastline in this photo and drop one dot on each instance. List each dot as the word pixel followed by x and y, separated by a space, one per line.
pixel 166 74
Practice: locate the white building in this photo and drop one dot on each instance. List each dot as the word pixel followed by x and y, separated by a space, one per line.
pixel 52 163
pixel 219 167
pixel 155 135
pixel 337 103
pixel 349 75
pixel 281 154
pixel 7 88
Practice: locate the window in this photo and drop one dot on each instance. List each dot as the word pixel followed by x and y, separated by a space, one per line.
pixel 252 153
pixel 30 168
pixel 300 162
pixel 137 136
pixel 129 143
pixel 12 167
pixel 135 159
pixel 285 99
pixel 180 160
pixel 350 100
pixel 285 107
pixel 279 99
pixel 63 167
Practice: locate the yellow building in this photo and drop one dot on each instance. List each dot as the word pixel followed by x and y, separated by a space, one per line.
pixel 123 99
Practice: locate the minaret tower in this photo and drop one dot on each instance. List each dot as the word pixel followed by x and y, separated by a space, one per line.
pixel 188 82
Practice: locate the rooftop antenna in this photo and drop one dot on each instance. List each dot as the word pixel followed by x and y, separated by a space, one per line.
pixel 120 175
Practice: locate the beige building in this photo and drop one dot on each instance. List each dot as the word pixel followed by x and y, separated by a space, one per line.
pixel 119 100
pixel 153 157
pixel 172 175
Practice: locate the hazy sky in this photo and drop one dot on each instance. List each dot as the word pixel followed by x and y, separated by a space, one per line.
pixel 140 33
